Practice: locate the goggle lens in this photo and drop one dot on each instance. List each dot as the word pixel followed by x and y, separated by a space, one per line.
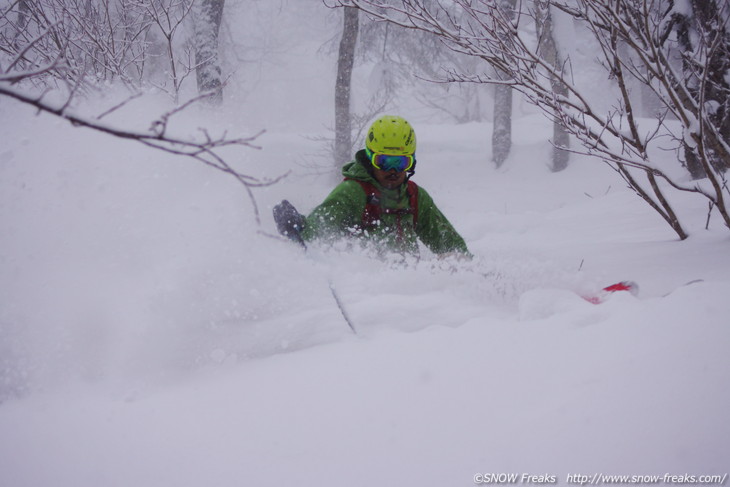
pixel 386 162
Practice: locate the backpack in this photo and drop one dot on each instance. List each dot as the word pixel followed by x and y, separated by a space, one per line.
pixel 373 209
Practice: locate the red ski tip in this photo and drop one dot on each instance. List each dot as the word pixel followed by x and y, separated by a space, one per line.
pixel 622 286
pixel 629 286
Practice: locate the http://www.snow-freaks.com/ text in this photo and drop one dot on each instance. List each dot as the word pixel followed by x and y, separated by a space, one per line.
pixel 599 479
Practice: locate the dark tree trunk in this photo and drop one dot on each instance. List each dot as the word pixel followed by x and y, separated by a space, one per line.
pixel 713 29
pixel 709 30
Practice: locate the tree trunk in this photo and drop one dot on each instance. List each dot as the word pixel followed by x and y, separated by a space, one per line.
pixel 716 94
pixel 549 51
pixel 22 22
pixel 712 27
pixel 345 62
pixel 502 127
pixel 208 15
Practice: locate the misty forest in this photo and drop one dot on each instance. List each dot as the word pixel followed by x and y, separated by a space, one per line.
pixel 156 329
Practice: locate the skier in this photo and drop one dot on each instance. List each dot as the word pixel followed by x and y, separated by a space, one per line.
pixel 377 201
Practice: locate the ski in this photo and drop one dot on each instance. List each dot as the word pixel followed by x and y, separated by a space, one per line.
pixel 625 286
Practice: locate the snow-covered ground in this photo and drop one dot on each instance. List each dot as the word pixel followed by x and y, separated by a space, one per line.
pixel 151 335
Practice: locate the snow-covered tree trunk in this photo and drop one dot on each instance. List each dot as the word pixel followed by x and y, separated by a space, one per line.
pixel 701 33
pixel 345 62
pixel 208 15
pixel 681 23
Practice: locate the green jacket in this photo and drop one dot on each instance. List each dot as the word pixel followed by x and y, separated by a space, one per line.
pixel 340 215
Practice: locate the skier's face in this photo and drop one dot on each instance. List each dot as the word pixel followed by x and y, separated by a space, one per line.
pixel 390 179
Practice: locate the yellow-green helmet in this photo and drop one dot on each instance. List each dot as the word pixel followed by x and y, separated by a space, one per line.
pixel 391 135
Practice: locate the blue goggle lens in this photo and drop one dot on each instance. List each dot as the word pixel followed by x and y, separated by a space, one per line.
pixel 386 162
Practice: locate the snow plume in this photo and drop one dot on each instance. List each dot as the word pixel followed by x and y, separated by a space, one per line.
pixel 117 320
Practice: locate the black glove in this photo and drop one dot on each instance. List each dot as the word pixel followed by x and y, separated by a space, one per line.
pixel 289 221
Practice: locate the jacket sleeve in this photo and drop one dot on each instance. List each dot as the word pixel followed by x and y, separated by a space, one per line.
pixel 338 215
pixel 435 230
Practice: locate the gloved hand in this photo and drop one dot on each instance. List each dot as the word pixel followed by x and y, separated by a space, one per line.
pixel 289 222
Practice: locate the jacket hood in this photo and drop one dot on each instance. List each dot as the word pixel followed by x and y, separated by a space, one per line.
pixel 358 170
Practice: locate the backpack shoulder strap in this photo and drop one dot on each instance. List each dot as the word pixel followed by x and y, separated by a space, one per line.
pixel 371 212
pixel 413 200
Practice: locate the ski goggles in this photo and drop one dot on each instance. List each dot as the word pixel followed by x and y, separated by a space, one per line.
pixel 387 162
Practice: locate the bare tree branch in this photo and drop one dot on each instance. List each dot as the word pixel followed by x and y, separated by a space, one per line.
pixel 204 151
pixel 76 44
pixel 633 49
